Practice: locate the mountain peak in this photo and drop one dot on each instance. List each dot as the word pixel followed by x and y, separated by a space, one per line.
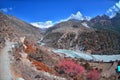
pixel 79 16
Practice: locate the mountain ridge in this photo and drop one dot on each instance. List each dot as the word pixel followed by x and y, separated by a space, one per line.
pixel 99 35
pixel 11 27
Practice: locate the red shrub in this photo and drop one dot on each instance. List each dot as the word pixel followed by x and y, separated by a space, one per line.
pixel 94 74
pixel 69 66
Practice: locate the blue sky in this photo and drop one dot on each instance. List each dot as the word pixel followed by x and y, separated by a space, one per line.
pixel 54 10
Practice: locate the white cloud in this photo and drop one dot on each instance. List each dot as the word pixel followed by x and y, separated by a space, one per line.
pixel 5 9
pixel 48 24
pixel 111 11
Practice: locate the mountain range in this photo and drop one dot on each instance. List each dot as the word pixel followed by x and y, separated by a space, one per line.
pixel 100 35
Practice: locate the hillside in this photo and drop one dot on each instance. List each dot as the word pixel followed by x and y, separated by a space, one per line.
pixel 104 22
pixel 100 35
pixel 13 28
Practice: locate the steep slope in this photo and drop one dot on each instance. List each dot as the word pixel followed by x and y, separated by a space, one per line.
pixel 33 62
pixel 95 42
pixel 11 27
pixel 104 22
pixel 116 22
pixel 98 36
pixel 60 30
pixel 101 22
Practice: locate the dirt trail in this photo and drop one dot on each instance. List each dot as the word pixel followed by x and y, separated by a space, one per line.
pixel 5 73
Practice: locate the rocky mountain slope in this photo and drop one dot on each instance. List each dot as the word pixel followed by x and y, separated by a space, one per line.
pixel 100 35
pixel 104 22
pixel 18 46
pixel 13 28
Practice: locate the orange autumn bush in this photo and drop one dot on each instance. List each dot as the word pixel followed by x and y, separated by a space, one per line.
pixel 42 67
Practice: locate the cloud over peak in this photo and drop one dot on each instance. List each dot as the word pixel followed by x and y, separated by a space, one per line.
pixel 46 24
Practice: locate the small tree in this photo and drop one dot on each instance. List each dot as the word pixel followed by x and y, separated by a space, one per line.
pixel 70 67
